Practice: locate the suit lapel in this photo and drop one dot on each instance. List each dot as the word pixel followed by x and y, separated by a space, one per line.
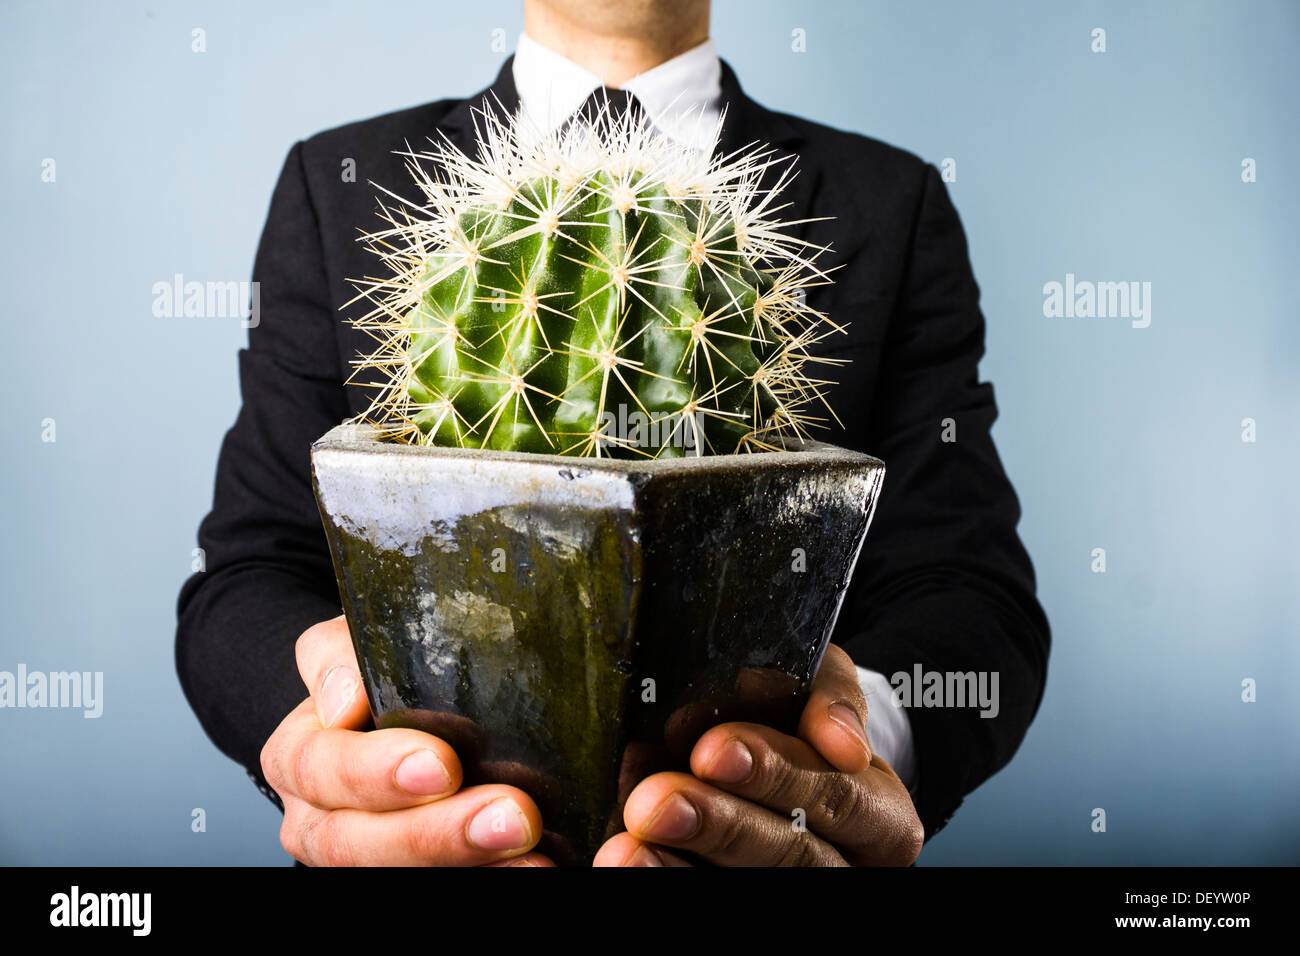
pixel 501 98
pixel 750 125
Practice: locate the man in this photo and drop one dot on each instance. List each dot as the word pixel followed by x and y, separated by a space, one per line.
pixel 943 584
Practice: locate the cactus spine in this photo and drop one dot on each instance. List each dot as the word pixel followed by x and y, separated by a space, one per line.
pixel 599 290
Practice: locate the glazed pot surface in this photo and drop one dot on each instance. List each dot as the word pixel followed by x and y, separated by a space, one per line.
pixel 571 625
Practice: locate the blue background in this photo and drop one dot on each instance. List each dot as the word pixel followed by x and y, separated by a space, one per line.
pixel 1117 166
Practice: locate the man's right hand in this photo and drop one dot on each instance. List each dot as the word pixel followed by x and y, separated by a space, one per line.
pixel 381 797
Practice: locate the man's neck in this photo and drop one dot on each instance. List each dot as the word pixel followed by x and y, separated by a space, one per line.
pixel 620 40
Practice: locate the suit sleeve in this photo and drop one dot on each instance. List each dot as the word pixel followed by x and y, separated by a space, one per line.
pixel 943 580
pixel 268 575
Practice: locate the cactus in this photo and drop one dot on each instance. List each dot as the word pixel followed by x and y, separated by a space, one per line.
pixel 598 290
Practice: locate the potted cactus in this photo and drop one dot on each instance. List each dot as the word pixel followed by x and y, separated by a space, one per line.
pixel 583 519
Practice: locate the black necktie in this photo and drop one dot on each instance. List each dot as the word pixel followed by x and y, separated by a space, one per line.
pixel 611 106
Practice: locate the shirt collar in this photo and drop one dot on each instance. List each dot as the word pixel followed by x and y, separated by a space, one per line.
pixel 682 96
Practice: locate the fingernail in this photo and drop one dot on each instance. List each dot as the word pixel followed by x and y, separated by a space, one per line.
pixel 422 773
pixel 501 825
pixel 731 764
pixel 676 819
pixel 337 691
pixel 644 856
pixel 847 717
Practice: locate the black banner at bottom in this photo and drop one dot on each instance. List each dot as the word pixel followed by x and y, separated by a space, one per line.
pixel 432 907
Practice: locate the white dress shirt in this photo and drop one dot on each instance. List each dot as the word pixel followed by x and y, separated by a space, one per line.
pixel 683 97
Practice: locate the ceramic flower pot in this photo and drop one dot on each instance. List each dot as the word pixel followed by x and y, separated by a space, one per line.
pixel 570 625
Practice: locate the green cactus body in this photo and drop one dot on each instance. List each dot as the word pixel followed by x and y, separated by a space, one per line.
pixel 608 301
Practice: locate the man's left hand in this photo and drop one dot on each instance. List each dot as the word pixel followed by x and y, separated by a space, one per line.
pixel 756 797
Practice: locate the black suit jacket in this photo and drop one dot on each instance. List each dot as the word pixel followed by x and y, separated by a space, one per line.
pixel 943 580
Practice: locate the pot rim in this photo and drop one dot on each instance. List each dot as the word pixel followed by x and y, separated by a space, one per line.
pixel 358 437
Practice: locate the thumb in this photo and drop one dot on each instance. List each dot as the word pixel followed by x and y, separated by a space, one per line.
pixel 328 666
pixel 834 722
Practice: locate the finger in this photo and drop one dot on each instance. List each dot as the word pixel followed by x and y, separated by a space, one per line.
pixel 474 827
pixel 677 810
pixel 377 770
pixel 623 849
pixel 835 719
pixel 785 775
pixel 900 833
pixel 327 663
